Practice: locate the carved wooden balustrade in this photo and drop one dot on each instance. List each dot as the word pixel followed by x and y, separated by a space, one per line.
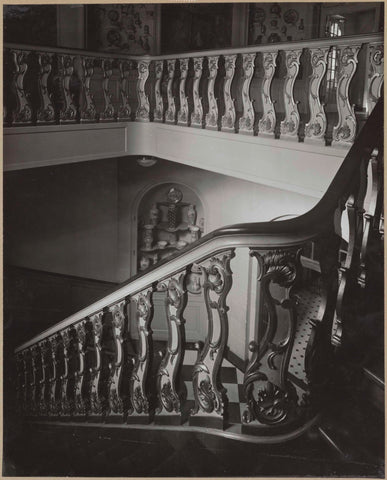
pixel 80 369
pixel 265 90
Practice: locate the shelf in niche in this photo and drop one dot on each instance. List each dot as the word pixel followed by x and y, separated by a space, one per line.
pixel 182 227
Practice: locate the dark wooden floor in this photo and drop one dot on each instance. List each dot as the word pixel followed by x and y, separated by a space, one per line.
pixel 103 451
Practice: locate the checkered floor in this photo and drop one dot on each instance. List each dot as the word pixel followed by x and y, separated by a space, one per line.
pixel 231 378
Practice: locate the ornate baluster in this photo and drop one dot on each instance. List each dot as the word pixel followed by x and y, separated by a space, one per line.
pixel 291 123
pixel 142 113
pixel 88 110
pixel 374 189
pixel 182 116
pixel 80 336
pixel 53 410
pixel 68 112
pixel 228 119
pixel 197 114
pixel 345 130
pixel 159 108
pixel 376 74
pixel 43 382
pixel 316 127
pixel 138 395
pixel 64 403
pixel 108 115
pixel 212 115
pixel 46 112
pixel 266 124
pixel 94 397
pixel 124 111
pixel 170 114
pixel 116 406
pixel 246 122
pixel 23 113
pixel 271 398
pixel 34 381
pixel 167 389
pixel 210 395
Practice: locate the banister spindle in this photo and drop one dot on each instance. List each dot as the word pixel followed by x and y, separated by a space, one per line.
pixel 182 116
pixel 22 115
pixel 316 128
pixel 46 112
pixel 170 114
pixel 124 110
pixel 229 117
pixel 139 396
pixel 271 398
pixel 246 122
pixel 88 108
pixel 79 380
pixel 68 112
pixel 64 402
pixel 376 74
pixel 158 114
pixel 142 112
pixel 109 113
pixel 94 401
pixel 210 395
pixel 197 114
pixel 345 130
pixel 212 115
pixel 27 383
pixel 34 381
pixel 116 406
pixel 266 125
pixel 52 343
pixel 291 122
pixel 169 401
pixel 43 407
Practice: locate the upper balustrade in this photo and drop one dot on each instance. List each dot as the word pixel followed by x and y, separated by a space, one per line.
pixel 312 91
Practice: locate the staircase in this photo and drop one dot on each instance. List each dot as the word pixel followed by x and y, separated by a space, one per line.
pixel 310 399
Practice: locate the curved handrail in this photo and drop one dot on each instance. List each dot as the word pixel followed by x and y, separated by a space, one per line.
pixel 264 235
pixel 272 47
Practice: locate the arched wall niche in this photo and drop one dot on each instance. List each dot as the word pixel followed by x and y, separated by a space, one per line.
pixel 168 216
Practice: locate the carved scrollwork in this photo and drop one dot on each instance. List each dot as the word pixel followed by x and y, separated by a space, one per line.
pixel 345 129
pixel 80 335
pixel 197 114
pixel 23 112
pixel 376 74
pixel 266 124
pixel 54 379
pixel 109 112
pixel 316 127
pixel 175 303
pixel 182 116
pixel 246 122
pixel 46 112
pixel 138 394
pixel 289 126
pixel 212 115
pixel 271 399
pixel 64 402
pixel 229 117
pixel 34 395
pixel 170 114
pixel 124 110
pixel 142 112
pixel 88 110
pixel 68 112
pixel 94 398
pixel 118 321
pixel 210 395
pixel 159 108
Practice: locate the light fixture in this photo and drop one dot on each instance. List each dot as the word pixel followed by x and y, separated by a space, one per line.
pixel 146 161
